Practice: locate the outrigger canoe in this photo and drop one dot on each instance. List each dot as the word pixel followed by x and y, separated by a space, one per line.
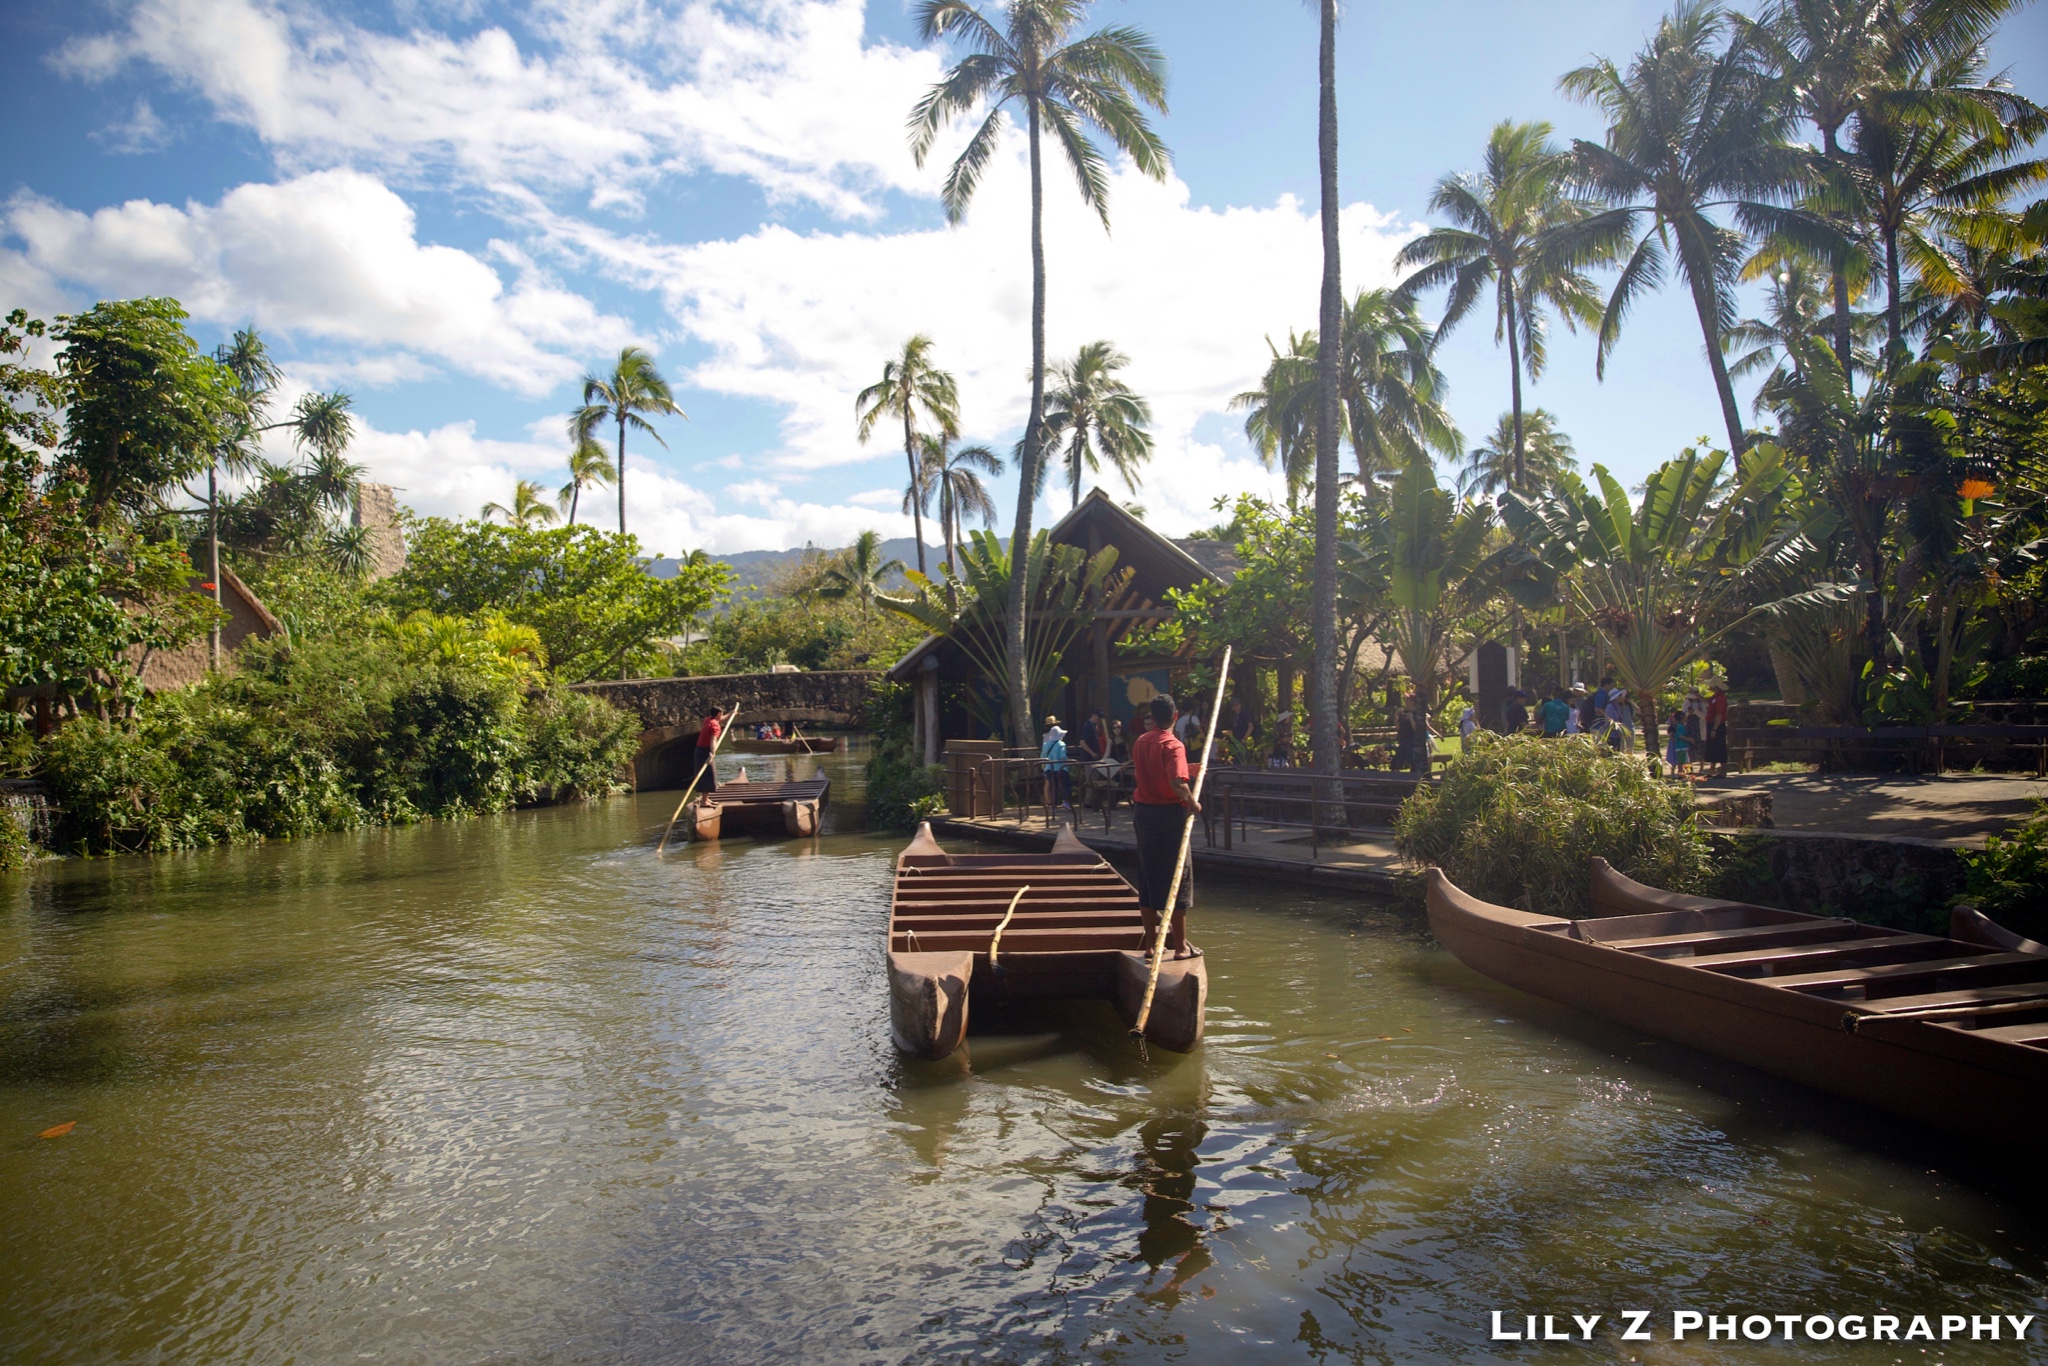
pixel 1949 1031
pixel 1077 935
pixel 740 806
pixel 801 744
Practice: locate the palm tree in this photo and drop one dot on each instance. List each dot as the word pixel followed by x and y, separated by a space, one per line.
pixel 529 507
pixel 910 382
pixel 1323 719
pixel 952 475
pixel 1796 309
pixel 1546 454
pixel 1390 389
pixel 589 465
pixel 1279 413
pixel 1690 129
pixel 1518 226
pixel 1067 84
pixel 1097 416
pixel 858 572
pixel 633 387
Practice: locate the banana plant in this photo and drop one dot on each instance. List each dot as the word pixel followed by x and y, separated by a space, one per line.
pixel 1662 579
pixel 1062 585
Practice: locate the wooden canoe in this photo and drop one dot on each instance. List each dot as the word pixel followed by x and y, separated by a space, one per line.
pixel 1077 935
pixel 1949 1031
pixel 741 806
pixel 802 744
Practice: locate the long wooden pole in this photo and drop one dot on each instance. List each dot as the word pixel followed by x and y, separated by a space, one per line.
pixel 1187 839
pixel 691 791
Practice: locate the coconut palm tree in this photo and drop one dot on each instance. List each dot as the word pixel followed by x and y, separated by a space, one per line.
pixel 1694 125
pixel 954 475
pixel 529 507
pixel 909 383
pixel 1065 83
pixel 1323 718
pixel 1519 226
pixel 633 387
pixel 1796 308
pixel 590 465
pixel 1389 388
pixel 1096 417
pixel 1280 413
pixel 858 572
pixel 1546 453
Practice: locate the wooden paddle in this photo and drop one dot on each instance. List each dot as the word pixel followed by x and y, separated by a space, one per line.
pixel 1187 837
pixel 724 730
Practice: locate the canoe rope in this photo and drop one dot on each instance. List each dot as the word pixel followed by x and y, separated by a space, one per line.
pixel 690 791
pixel 1187 839
pixel 997 942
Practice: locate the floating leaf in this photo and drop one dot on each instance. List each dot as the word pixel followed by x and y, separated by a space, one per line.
pixel 59 1130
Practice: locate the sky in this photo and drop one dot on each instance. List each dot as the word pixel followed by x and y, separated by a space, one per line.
pixel 454 209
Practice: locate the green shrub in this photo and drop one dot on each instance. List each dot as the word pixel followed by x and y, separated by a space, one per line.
pixel 1516 820
pixel 2008 878
pixel 901 790
pixel 577 746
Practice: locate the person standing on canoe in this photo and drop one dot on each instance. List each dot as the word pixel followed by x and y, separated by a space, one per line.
pixel 707 740
pixel 1159 807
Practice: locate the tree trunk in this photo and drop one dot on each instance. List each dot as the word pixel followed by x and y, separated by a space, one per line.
pixel 622 471
pixel 1699 274
pixel 916 493
pixel 575 497
pixel 213 545
pixel 1323 693
pixel 1518 467
pixel 1027 481
pixel 1845 341
pixel 1894 334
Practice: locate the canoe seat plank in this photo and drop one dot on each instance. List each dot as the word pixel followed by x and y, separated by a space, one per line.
pixel 1888 945
pixel 2035 1033
pixel 1744 935
pixel 1892 972
pixel 1960 996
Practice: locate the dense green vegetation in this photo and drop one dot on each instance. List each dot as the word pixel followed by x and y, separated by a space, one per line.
pixel 2008 878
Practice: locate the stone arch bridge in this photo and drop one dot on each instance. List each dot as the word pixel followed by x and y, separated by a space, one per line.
pixel 671 710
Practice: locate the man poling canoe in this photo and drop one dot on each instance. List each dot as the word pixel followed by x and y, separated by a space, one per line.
pixel 1171 775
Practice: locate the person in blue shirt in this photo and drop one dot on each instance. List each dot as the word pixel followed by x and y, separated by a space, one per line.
pixel 1555 713
pixel 1059 783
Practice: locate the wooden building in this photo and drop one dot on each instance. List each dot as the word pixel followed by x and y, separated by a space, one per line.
pixel 1099 673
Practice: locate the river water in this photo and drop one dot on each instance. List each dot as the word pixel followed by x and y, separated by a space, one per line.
pixel 516 1090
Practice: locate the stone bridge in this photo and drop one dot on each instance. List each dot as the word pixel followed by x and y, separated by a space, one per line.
pixel 671 710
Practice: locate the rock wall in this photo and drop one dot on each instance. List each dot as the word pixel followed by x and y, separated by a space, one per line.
pixel 377 512
pixel 1877 879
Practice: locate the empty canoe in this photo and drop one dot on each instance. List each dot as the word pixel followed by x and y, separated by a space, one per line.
pixel 1949 1031
pixel 1077 934
pixel 743 807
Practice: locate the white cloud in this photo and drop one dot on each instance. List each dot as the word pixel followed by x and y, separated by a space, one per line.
pixel 334 256
pixel 608 96
pixel 877 498
pixel 804 321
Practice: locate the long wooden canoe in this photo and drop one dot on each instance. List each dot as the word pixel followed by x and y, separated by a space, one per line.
pixel 801 744
pixel 1951 1032
pixel 741 806
pixel 1077 935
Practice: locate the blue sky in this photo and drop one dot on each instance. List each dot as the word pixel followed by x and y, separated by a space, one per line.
pixel 454 208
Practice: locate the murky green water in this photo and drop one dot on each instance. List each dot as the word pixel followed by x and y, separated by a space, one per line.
pixel 516 1091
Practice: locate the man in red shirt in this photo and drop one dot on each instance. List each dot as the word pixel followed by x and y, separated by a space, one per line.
pixel 1159 808
pixel 707 740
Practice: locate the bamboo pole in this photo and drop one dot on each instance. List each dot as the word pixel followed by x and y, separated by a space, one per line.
pixel 1187 838
pixel 691 791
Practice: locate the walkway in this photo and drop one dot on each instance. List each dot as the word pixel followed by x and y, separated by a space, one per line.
pixel 1954 807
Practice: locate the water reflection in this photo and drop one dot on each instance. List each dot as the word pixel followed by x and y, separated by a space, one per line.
pixel 517 1089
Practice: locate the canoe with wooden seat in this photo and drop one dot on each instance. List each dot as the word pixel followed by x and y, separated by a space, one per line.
pixel 789 744
pixel 1076 934
pixel 741 806
pixel 1951 1031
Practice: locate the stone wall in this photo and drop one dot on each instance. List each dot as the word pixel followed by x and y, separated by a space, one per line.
pixel 1877 879
pixel 377 512
pixel 830 698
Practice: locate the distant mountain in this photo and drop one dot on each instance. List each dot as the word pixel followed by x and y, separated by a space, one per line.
pixel 754 570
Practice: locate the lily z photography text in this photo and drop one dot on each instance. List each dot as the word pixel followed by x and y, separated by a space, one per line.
pixel 1641 1325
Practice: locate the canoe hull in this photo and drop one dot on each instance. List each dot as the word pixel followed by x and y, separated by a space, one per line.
pixel 1901 1066
pixel 741 807
pixel 928 995
pixel 1178 1006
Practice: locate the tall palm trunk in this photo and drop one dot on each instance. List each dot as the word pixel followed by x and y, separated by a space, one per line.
pixel 622 471
pixel 916 501
pixel 575 497
pixel 1020 538
pixel 1839 268
pixel 1323 729
pixel 213 551
pixel 1699 274
pixel 1518 468
pixel 1894 333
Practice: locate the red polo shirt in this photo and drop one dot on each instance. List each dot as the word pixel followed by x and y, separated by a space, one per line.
pixel 708 735
pixel 1159 758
